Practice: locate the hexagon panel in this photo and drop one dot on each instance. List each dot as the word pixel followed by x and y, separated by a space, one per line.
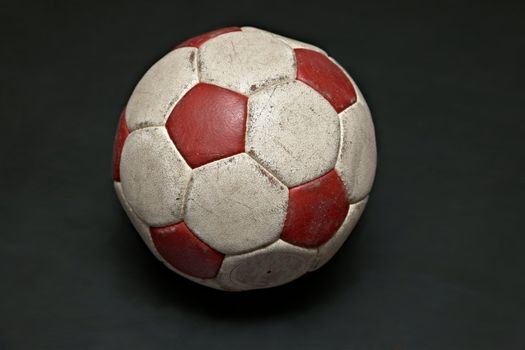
pixel 234 205
pixel 357 159
pixel 293 132
pixel 154 176
pixel 246 62
pixel 267 267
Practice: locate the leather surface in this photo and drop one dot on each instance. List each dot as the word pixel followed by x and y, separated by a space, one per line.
pixel 179 246
pixel 316 210
pixel 316 70
pixel 208 123
pixel 435 262
pixel 245 167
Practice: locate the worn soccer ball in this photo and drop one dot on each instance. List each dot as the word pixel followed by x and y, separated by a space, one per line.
pixel 244 159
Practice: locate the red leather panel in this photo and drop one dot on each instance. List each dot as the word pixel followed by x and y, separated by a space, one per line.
pixel 198 40
pixel 118 144
pixel 208 124
pixel 316 210
pixel 316 70
pixel 184 251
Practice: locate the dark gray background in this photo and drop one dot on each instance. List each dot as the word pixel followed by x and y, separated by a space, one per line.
pixel 437 261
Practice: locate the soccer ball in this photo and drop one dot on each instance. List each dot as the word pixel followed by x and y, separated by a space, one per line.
pixel 244 159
